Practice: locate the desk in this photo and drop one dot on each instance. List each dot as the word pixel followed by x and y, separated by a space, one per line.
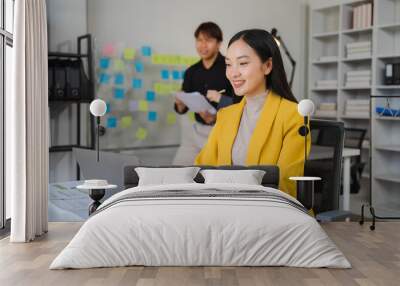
pixel 321 152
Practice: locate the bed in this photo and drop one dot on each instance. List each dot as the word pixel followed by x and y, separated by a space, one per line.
pixel 198 224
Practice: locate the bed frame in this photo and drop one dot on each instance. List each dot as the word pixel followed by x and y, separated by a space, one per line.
pixel 270 179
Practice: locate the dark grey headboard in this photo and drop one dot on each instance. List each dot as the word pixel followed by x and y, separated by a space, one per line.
pixel 270 179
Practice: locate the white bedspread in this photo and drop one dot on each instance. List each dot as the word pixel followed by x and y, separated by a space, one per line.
pixel 200 231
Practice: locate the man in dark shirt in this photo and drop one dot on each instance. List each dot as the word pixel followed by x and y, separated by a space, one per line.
pixel 208 78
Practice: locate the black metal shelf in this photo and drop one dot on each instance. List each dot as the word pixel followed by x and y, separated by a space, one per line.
pixel 84 93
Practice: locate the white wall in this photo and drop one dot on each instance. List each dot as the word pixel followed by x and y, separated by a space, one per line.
pixel 168 26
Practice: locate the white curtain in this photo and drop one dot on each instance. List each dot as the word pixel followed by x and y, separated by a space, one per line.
pixel 27 123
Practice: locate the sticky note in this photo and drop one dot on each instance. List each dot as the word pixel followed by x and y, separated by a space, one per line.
pixel 171 118
pixel 188 61
pixel 141 133
pixel 159 88
pixel 174 87
pixel 155 59
pixel 119 93
pixel 104 63
pixel 126 121
pixel 146 51
pixel 191 116
pixel 119 64
pixel 108 107
pixel 119 79
pixel 111 122
pixel 150 95
pixel 133 105
pixel 129 54
pixel 165 74
pixel 104 78
pixel 176 75
pixel 143 105
pixel 139 67
pixel 108 50
pixel 174 60
pixel 152 116
pixel 136 83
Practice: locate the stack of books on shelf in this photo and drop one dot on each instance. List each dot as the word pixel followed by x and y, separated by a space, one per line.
pixel 357 107
pixel 362 16
pixel 326 83
pixel 361 78
pixel 328 58
pixel 326 109
pixel 358 50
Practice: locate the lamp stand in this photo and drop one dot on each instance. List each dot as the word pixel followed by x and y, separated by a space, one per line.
pixel 98 138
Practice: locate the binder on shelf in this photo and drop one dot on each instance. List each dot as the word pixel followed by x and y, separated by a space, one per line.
pixel 388 74
pixel 396 73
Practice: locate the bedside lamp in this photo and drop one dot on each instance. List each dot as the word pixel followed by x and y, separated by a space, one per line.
pixel 305 108
pixel 98 108
pixel 305 185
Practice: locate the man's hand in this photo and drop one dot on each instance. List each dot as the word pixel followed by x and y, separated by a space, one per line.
pixel 213 95
pixel 208 117
pixel 180 105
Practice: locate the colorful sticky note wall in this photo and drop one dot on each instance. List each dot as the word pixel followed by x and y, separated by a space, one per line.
pixel 119 65
pixel 143 105
pixel 119 79
pixel 165 74
pixel 111 122
pixel 150 95
pixel 139 67
pixel 141 133
pixel 129 54
pixel 104 78
pixel 171 118
pixel 133 105
pixel 146 51
pixel 126 121
pixel 108 50
pixel 152 116
pixel 104 63
pixel 136 83
pixel 119 93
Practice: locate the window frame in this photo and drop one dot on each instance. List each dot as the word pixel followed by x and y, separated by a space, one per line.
pixel 6 39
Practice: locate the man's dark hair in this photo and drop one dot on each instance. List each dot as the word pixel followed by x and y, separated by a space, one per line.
pixel 209 29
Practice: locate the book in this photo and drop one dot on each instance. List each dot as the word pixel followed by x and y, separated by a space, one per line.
pixel 359 44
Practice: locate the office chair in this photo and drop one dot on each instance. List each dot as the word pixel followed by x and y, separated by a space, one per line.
pixel 327 136
pixel 353 138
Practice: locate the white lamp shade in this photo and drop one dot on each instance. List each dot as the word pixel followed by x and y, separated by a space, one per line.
pixel 98 107
pixel 305 107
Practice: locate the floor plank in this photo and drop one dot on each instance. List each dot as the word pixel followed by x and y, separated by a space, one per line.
pixel 375 257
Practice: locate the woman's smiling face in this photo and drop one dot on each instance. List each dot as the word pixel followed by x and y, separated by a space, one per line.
pixel 245 70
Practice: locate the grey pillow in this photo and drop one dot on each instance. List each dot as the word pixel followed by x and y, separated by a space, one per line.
pixel 166 176
pixel 248 177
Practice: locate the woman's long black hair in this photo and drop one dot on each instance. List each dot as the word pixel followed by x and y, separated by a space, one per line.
pixel 265 46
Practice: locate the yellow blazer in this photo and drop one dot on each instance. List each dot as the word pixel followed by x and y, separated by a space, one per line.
pixel 275 140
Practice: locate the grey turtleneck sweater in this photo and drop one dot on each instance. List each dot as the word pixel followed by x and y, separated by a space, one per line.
pixel 248 122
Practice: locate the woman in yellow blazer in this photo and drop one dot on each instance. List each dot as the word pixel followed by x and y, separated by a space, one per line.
pixel 255 70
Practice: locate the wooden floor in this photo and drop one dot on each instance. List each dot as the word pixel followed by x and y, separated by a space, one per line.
pixel 375 257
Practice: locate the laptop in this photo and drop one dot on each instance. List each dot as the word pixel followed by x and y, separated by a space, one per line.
pixel 110 166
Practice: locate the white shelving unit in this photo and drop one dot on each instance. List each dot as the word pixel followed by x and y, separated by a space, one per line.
pixel 330 31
